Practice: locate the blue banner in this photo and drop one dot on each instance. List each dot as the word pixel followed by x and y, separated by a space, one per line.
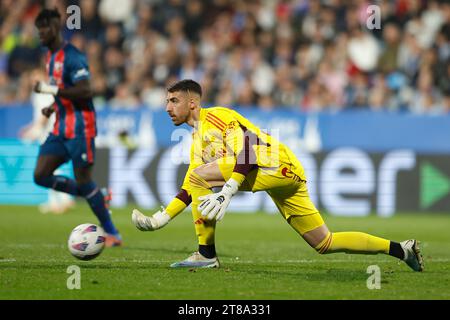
pixel 370 131
pixel 17 163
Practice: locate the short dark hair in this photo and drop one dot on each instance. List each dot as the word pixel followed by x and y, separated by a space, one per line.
pixel 186 85
pixel 46 15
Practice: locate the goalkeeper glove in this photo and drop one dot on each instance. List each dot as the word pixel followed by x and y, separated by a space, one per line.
pixel 215 205
pixel 146 223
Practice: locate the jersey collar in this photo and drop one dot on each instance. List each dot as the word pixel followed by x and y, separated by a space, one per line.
pixel 203 113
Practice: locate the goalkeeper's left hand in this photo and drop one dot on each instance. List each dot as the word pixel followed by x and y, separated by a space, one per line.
pixel 215 205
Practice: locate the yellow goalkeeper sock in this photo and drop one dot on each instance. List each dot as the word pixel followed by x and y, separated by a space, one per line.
pixel 353 242
pixel 205 229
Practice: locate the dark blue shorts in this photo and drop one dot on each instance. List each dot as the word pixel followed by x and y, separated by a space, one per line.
pixel 80 150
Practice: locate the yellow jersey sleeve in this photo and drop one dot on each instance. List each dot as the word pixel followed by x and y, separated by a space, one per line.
pixel 183 198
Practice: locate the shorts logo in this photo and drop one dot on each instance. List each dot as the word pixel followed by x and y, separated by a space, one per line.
pixel 84 157
pixel 199 221
pixel 289 174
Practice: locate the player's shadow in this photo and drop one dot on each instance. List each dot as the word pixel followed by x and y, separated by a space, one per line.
pixel 186 251
pixel 157 250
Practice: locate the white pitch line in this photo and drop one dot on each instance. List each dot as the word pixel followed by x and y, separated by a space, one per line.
pixel 7 260
pixel 34 245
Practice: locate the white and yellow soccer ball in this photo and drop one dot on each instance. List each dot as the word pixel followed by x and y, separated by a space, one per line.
pixel 87 241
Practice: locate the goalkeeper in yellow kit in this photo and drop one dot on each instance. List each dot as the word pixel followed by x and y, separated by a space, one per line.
pixel 229 151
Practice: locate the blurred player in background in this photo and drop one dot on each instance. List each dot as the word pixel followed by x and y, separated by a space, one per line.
pixel 229 151
pixel 73 135
pixel 37 131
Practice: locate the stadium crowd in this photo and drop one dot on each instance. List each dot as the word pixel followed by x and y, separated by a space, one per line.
pixel 293 54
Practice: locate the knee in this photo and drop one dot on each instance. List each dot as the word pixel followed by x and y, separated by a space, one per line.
pixel 323 244
pixel 83 180
pixel 83 176
pixel 41 179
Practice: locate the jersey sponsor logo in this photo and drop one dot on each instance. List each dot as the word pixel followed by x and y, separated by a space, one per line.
pixel 212 152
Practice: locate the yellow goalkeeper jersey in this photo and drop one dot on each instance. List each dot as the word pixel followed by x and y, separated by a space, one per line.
pixel 220 133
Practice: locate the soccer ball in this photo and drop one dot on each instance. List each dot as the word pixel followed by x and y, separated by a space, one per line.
pixel 86 241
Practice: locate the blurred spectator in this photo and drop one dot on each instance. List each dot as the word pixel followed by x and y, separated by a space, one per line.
pixel 357 91
pixel 153 95
pixel 388 61
pixel 124 98
pixel 92 27
pixel 287 94
pixel 116 10
pixel 195 18
pixel 22 57
pixel 426 96
pixel 309 55
pixel 363 50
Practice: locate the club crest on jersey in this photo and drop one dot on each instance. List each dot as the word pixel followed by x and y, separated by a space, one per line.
pixel 231 127
pixel 58 66
pixel 199 221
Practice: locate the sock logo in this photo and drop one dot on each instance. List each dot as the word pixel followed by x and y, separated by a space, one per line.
pixel 199 221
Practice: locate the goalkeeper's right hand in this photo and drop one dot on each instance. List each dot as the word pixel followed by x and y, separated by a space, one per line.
pixel 146 223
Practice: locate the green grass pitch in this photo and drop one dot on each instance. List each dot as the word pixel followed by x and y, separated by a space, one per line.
pixel 261 256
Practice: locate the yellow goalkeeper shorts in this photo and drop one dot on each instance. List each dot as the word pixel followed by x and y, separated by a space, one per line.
pixel 287 190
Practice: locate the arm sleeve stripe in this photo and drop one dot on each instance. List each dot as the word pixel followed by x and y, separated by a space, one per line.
pixel 217 119
pixel 215 123
pixel 184 196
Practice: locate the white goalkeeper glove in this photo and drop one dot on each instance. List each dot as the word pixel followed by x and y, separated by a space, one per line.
pixel 146 223
pixel 43 87
pixel 215 205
